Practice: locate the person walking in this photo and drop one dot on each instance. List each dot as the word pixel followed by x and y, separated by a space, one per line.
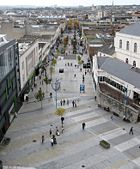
pixel 73 103
pixel 64 102
pixel 83 126
pixel 62 129
pixel 131 131
pixel 111 117
pixel 52 141
pixel 57 132
pixel 50 132
pixel 62 120
pixel 42 139
pixel 61 102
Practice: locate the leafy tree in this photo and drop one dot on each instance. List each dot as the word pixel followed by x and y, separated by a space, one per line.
pixel 40 96
pixel 47 81
pixel 60 112
pixel 54 62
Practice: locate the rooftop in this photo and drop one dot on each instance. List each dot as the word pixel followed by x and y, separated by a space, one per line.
pixel 120 69
pixel 133 29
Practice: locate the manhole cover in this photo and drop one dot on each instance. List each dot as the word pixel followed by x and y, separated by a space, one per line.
pixel 34 140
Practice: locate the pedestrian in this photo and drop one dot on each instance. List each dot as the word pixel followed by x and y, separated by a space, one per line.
pixel 67 102
pixel 62 120
pixel 50 95
pixel 57 132
pixel 73 103
pixel 61 102
pixel 95 97
pixel 50 132
pixel 85 72
pixel 131 131
pixel 74 75
pixel 62 129
pixel 42 139
pixel 83 126
pixel 111 117
pixel 52 141
pixel 71 64
pixel 64 102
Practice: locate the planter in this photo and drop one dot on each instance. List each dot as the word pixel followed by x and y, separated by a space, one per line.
pixel 104 144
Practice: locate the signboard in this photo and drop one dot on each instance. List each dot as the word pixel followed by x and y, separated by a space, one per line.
pixel 82 88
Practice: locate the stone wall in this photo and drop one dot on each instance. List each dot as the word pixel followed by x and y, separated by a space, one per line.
pixel 117 108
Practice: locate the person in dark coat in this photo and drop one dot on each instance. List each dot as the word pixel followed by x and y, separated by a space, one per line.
pixel 42 139
pixel 83 126
pixel 131 131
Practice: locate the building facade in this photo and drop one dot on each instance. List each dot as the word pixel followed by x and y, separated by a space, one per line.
pixel 127 44
pixel 9 82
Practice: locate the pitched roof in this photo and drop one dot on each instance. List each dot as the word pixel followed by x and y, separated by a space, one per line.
pixel 121 70
pixel 133 29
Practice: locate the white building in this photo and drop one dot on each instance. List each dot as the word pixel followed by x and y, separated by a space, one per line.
pixel 127 44
pixel 28 59
pixel 120 75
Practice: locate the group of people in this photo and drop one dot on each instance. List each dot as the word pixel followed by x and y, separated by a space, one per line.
pixel 53 134
pixel 74 103
pixel 63 102
pixel 69 64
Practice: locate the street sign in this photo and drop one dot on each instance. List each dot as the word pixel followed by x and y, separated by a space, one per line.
pixel 82 88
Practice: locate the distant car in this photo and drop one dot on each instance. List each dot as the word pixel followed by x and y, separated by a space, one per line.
pixel 61 70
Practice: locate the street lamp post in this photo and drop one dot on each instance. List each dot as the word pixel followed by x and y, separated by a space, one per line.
pixel 56 87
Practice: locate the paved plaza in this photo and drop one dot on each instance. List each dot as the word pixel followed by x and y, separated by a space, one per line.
pixel 75 148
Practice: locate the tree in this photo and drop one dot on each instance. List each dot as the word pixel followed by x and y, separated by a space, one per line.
pixel 54 62
pixel 40 96
pixel 47 81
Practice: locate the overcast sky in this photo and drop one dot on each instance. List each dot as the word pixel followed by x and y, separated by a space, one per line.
pixel 67 2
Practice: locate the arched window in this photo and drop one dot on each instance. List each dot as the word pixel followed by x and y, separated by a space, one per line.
pixel 126 60
pixel 135 47
pixel 120 44
pixel 127 45
pixel 134 63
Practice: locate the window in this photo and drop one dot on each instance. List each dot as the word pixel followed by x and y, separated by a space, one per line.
pixel 126 60
pixel 127 45
pixel 135 47
pixel 120 44
pixel 134 63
